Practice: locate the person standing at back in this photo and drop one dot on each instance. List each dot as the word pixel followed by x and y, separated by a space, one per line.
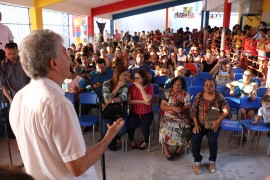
pixel 44 120
pixel 12 76
pixel 5 35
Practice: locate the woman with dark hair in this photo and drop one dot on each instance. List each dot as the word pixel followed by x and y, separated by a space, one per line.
pixel 141 114
pixel 164 68
pixel 208 110
pixel 118 58
pixel 115 91
pixel 191 65
pixel 175 123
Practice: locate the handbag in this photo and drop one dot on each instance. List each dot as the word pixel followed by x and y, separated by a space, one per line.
pixel 212 115
pixel 113 111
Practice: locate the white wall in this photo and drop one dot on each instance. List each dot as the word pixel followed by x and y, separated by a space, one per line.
pixel 157 20
pixel 147 21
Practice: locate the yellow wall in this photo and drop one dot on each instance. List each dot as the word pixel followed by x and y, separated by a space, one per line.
pixel 254 22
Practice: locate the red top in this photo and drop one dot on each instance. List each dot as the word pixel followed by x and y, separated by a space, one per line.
pixel 135 94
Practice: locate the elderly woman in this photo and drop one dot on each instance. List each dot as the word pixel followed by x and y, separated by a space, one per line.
pixel 141 114
pixel 247 88
pixel 115 91
pixel 208 110
pixel 175 123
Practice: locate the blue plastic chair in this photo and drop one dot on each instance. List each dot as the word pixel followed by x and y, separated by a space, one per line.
pixel 70 97
pixel 238 76
pixel 234 104
pixel 259 127
pixel 261 91
pixel 160 80
pixel 259 81
pixel 238 70
pixel 188 80
pixel 193 91
pixel 204 75
pixel 234 126
pixel 197 82
pixel 88 120
pixel 223 90
pixel 245 102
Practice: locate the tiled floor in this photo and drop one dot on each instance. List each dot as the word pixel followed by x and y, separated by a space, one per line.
pixel 141 165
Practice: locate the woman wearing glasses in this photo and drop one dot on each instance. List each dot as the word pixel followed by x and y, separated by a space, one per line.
pixel 244 87
pixel 141 115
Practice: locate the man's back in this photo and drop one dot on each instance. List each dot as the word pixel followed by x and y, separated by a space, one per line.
pixel 47 130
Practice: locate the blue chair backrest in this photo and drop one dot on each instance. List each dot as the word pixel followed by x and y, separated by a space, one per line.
pixel 160 80
pixel 188 80
pixel 238 70
pixel 88 98
pixel 70 96
pixel 156 88
pixel 198 82
pixel 245 102
pixel 194 90
pixel 261 91
pixel 238 76
pixel 223 90
pixel 204 75
pixel 259 81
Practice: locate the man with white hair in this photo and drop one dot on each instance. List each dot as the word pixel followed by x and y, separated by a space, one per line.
pixel 44 120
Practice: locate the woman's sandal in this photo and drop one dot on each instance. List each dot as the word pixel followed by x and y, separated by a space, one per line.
pixel 177 154
pixel 133 145
pixel 196 169
pixel 170 158
pixel 143 147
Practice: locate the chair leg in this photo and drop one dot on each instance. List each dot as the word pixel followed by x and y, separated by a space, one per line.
pixel 268 152
pixel 94 135
pixel 149 143
pixel 241 139
pixel 247 142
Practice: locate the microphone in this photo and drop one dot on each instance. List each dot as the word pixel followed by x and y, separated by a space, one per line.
pixel 78 69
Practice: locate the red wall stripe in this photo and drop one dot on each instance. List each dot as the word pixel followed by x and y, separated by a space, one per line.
pixel 120 6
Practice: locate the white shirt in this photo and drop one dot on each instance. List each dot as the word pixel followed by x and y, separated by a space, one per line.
pixel 69 84
pixel 5 36
pixel 47 131
pixel 265 114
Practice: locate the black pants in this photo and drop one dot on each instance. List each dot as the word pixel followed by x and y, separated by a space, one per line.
pixel 212 138
pixel 143 121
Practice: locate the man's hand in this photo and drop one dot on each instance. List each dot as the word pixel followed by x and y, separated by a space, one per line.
pixel 115 128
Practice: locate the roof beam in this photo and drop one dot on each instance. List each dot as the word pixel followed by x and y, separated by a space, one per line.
pixel 152 8
pixel 120 6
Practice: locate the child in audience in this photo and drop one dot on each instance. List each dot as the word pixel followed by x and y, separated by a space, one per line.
pixel 264 112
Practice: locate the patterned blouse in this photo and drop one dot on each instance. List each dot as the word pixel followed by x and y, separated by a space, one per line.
pixel 201 106
pixel 107 92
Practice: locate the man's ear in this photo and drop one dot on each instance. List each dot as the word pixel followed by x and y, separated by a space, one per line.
pixel 52 63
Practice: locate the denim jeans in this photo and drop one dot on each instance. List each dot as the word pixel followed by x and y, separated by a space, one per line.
pixel 212 138
pixel 119 134
pixel 143 121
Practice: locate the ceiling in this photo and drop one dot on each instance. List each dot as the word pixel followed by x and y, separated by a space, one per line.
pixel 107 8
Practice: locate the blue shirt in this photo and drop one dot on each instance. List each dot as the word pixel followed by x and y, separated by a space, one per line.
pixel 96 77
pixel 134 68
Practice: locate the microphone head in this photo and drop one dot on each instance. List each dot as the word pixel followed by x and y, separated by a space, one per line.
pixel 2 54
pixel 78 69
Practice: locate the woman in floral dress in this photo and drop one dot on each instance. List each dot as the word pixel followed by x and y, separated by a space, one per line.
pixel 175 123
